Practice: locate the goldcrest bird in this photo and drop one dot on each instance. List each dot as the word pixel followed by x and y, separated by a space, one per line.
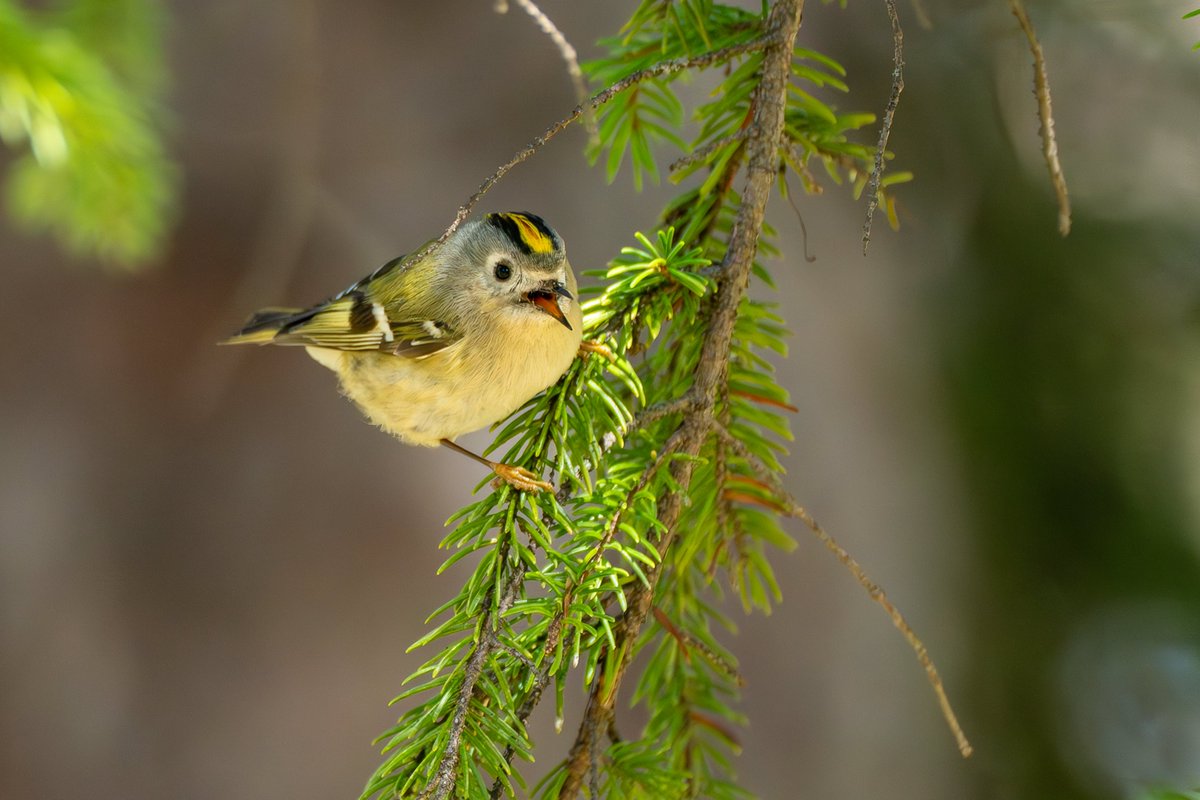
pixel 449 343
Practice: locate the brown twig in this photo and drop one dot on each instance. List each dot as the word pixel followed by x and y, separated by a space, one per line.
pixel 879 596
pixel 889 113
pixel 791 508
pixel 668 67
pixel 787 192
pixel 568 55
pixel 762 143
pixel 1041 90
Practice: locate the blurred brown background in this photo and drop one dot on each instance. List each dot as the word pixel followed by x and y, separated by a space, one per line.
pixel 210 567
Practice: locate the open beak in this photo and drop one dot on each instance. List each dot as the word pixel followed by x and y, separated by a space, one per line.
pixel 546 298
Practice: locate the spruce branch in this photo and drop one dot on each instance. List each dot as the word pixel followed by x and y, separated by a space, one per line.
pixel 488 641
pixel 557 623
pixel 640 452
pixel 762 147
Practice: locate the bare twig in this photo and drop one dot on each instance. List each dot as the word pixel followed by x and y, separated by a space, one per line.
pixel 762 159
pixel 889 113
pixel 879 596
pixel 794 509
pixel 787 192
pixel 1041 90
pixel 668 67
pixel 568 55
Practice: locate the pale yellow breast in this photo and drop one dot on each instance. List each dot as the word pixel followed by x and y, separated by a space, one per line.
pixel 465 387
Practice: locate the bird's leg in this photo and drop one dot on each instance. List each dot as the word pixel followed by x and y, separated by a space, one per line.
pixel 517 477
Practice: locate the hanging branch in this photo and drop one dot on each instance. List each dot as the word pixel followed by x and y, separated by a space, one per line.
pixel 889 112
pixel 794 509
pixel 569 56
pixel 1041 90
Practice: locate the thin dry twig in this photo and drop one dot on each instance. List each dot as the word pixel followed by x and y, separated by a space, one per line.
pixel 1041 90
pixel 787 192
pixel 568 55
pixel 879 596
pixel 668 67
pixel 794 509
pixel 889 113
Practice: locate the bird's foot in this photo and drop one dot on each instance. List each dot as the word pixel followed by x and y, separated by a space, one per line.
pixel 586 348
pixel 519 478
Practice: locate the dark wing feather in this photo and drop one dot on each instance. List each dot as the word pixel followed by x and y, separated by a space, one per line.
pixel 351 320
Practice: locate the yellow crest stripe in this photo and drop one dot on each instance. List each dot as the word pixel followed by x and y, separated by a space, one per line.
pixel 531 235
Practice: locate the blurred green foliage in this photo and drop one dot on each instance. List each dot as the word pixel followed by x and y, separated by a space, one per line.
pixel 79 89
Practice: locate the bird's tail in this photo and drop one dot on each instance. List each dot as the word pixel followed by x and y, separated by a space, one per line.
pixel 263 325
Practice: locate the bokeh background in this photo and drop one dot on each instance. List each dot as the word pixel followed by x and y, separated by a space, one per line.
pixel 210 567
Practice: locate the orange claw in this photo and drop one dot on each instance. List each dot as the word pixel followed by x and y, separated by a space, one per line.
pixel 596 347
pixel 520 479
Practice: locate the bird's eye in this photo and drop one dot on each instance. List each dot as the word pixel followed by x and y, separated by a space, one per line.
pixel 503 271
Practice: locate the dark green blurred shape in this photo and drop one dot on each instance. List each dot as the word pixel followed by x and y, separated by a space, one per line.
pixel 1067 366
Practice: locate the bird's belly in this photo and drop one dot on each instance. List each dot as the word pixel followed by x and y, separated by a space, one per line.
pixel 422 401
